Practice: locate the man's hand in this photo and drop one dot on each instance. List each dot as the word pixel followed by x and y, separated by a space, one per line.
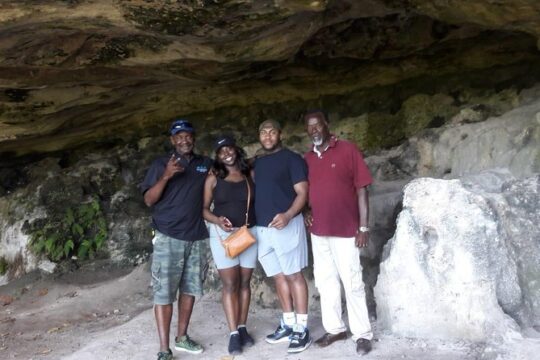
pixel 225 224
pixel 280 221
pixel 173 167
pixel 362 239
pixel 308 219
pixel 152 195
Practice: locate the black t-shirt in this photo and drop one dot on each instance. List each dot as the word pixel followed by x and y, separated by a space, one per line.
pixel 178 213
pixel 275 177
pixel 230 200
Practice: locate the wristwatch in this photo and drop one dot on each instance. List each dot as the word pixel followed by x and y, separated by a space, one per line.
pixel 363 229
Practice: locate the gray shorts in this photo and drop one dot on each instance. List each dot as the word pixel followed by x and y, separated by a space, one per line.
pixel 283 251
pixel 177 265
pixel 247 259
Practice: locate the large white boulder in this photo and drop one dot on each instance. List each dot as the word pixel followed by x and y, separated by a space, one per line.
pixel 464 262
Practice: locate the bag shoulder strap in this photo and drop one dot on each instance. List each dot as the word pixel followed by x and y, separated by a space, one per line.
pixel 248 198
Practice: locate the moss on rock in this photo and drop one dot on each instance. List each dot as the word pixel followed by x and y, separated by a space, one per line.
pixel 354 129
pixel 421 110
pixel 384 131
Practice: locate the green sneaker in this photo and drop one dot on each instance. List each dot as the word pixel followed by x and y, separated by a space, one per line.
pixel 184 343
pixel 164 355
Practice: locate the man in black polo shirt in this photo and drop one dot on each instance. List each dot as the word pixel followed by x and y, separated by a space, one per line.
pixel 173 188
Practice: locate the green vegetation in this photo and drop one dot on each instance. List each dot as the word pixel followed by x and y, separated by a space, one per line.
pixel 80 231
pixel 3 266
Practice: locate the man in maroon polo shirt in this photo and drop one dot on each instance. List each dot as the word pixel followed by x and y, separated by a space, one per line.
pixel 338 179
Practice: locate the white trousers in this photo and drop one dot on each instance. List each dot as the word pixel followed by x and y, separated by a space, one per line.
pixel 337 260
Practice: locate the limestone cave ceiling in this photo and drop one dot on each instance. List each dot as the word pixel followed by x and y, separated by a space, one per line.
pixel 79 71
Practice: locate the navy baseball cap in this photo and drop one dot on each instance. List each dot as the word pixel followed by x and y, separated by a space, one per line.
pixel 181 125
pixel 224 140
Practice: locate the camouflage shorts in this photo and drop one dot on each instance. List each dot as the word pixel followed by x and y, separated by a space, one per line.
pixel 177 265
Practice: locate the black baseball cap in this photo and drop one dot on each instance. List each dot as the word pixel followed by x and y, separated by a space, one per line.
pixel 224 140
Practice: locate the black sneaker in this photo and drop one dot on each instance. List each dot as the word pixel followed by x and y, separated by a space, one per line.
pixel 235 345
pixel 282 334
pixel 363 346
pixel 245 338
pixel 300 339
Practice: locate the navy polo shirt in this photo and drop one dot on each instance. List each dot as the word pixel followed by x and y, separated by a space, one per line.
pixel 275 177
pixel 178 213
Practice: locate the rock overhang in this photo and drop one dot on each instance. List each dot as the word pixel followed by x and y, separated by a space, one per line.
pixel 84 72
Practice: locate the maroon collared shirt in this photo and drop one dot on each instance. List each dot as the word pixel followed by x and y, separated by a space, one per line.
pixel 334 176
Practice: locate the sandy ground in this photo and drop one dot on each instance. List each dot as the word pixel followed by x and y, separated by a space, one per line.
pixel 104 313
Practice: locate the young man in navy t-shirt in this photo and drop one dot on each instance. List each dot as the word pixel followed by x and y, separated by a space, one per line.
pixel 281 191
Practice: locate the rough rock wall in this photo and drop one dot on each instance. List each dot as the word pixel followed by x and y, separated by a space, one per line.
pixel 16 255
pixel 56 184
pixel 465 259
pixel 471 142
pixel 112 174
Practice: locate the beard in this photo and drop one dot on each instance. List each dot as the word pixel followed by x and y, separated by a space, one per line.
pixel 317 141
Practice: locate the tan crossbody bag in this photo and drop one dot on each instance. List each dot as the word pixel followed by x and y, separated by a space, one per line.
pixel 242 238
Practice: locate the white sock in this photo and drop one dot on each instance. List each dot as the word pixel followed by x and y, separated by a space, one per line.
pixel 289 318
pixel 241 326
pixel 233 333
pixel 301 319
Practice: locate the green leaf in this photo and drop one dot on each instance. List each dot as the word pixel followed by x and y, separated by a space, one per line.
pixel 83 210
pixel 57 253
pixel 70 218
pixel 38 246
pixel 98 240
pixel 89 217
pixel 49 243
pixel 85 248
pixel 68 246
pixel 81 253
pixel 77 229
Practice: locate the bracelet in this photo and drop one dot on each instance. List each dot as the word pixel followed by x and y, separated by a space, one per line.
pixel 363 229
